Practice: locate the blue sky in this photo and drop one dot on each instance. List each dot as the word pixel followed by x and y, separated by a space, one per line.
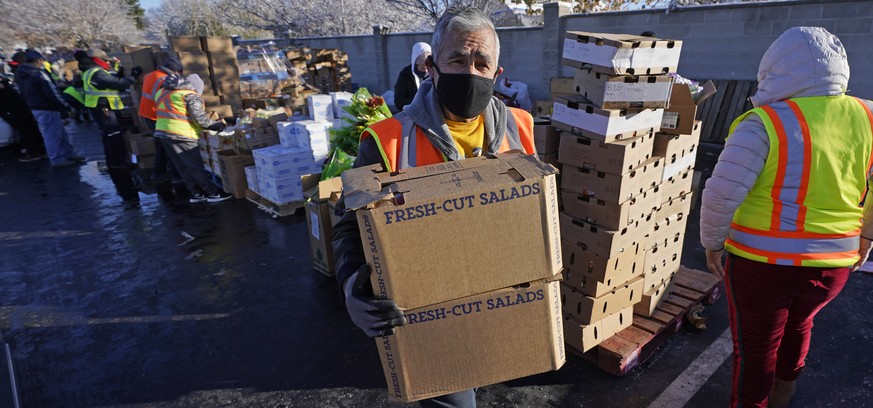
pixel 147 4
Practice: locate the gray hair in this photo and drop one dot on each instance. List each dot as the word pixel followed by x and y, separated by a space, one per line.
pixel 459 20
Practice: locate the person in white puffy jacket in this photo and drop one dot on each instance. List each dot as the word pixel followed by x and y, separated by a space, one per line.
pixel 787 200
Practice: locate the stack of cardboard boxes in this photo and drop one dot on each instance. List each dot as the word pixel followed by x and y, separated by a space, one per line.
pixel 215 61
pixel 481 299
pixel 619 229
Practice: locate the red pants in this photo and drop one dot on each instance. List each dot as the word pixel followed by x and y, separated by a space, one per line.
pixel 771 308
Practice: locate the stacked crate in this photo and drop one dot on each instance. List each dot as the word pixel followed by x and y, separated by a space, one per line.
pixel 613 232
pixel 215 61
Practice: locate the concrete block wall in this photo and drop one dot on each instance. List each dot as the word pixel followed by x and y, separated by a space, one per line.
pixel 720 41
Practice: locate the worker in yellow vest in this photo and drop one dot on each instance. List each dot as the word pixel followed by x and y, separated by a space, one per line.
pixel 788 201
pixel 452 117
pixel 102 98
pixel 181 117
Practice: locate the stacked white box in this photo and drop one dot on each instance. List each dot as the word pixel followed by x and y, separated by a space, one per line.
pixel 308 134
pixel 279 169
pixel 341 100
pixel 252 178
pixel 320 107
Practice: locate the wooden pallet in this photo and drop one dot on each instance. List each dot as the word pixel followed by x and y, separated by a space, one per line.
pixel 719 111
pixel 277 210
pixel 629 348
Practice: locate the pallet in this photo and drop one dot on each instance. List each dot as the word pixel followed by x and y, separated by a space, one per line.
pixel 629 348
pixel 719 111
pixel 277 210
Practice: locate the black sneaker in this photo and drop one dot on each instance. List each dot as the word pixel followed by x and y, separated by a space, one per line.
pixel 197 198
pixel 30 157
pixel 218 197
pixel 78 159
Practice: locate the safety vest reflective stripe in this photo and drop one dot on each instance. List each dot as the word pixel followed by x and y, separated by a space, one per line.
pixel 796 244
pixel 795 259
pixel 411 147
pixel 76 94
pixel 93 95
pixel 870 118
pixel 172 114
pixel 794 164
pixel 152 92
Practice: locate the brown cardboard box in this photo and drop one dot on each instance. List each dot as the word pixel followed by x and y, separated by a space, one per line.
pixel 617 322
pixel 604 242
pixel 475 341
pixel 542 108
pixel 221 111
pixel 551 158
pixel 226 74
pixel 615 188
pixel 574 114
pixel 679 118
pixel 608 214
pixel 222 60
pixel 319 225
pixel 143 162
pixel 140 58
pixel 660 276
pixel 579 262
pixel 679 151
pixel 561 86
pixel 619 54
pixel 623 91
pixel 195 62
pixel 475 198
pixel 617 157
pixel 233 174
pixel 652 299
pixel 140 144
pixel 546 137
pixel 674 206
pixel 211 99
pixel 677 186
pixel 589 309
pixel 217 44
pixel 582 337
pixel 186 43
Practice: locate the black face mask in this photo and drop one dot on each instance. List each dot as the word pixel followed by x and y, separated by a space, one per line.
pixel 464 95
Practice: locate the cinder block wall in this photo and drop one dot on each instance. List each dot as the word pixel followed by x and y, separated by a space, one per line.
pixel 720 41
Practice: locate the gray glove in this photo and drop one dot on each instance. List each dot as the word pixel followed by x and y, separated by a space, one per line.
pixel 376 317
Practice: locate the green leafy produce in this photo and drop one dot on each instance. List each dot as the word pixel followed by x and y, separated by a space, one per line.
pixel 365 110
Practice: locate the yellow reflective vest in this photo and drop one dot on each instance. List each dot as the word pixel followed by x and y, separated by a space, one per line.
pixel 805 208
pixel 172 113
pixel 93 95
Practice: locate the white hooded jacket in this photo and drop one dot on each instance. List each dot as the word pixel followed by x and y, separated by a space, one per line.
pixel 802 62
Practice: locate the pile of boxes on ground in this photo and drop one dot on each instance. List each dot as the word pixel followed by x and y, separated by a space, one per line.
pixel 214 60
pixel 626 179
pixel 482 298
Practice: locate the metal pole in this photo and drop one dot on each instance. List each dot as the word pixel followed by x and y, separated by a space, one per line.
pixel 12 376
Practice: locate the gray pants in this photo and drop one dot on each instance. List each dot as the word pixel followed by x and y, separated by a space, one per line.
pixel 460 399
pixel 185 155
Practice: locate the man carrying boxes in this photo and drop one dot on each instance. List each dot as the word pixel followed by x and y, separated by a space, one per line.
pixel 453 117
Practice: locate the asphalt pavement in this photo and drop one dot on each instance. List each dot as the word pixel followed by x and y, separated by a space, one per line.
pixel 105 301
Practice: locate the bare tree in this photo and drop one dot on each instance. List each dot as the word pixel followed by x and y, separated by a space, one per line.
pixel 73 23
pixel 433 9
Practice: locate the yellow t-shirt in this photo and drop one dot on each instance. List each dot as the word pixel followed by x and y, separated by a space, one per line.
pixel 468 135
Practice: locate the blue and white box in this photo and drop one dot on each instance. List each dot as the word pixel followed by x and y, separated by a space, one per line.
pixel 320 107
pixel 341 100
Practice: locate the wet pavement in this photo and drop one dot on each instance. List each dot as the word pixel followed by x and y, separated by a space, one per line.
pixel 104 302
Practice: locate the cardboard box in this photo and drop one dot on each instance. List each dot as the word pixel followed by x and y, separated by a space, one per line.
pixel 617 157
pixel 574 114
pixel 579 261
pixel 551 158
pixel 476 197
pixel 679 118
pixel 623 91
pixel 341 100
pixel 678 205
pixel 143 162
pixel 542 108
pixel 140 144
pixel 475 341
pixel 652 299
pixel 221 111
pixel 140 58
pixel 252 178
pixel 197 62
pixel 319 225
pixel 584 337
pixel 679 151
pixel 217 44
pixel 604 242
pixel 561 86
pixel 587 309
pixel 615 188
pixel 320 107
pixel 210 99
pixel 233 173
pixel 660 276
pixel 187 43
pixel 677 186
pixel 546 137
pixel 608 214
pixel 620 54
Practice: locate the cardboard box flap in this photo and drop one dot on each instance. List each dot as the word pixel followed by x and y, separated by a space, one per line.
pixel 329 188
pixel 682 94
pixel 366 186
pixel 619 40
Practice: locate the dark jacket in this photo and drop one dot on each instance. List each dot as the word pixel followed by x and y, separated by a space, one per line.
pixel 405 88
pixel 105 80
pixel 39 90
pixel 193 104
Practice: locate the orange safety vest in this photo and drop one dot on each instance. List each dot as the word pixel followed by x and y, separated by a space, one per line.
pixel 401 149
pixel 150 86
